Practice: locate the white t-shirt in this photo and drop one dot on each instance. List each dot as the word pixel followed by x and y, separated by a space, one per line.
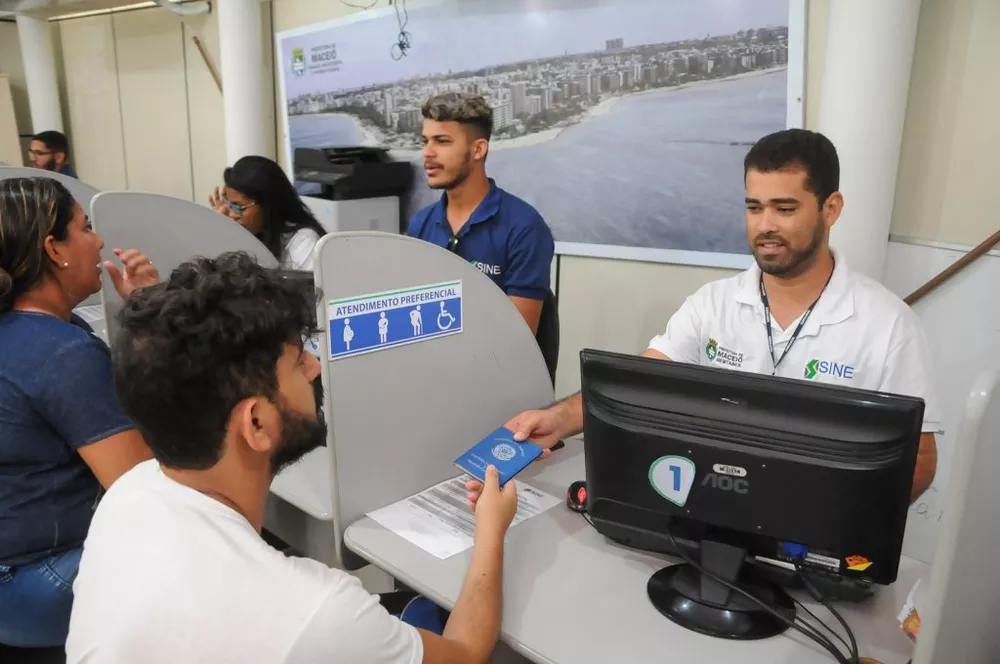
pixel 299 248
pixel 859 335
pixel 170 575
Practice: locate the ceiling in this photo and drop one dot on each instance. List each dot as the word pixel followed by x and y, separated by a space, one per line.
pixel 45 8
pixel 53 8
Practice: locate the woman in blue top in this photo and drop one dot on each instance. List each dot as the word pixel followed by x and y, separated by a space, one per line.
pixel 63 437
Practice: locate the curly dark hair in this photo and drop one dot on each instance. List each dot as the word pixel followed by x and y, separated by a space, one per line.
pixel 191 348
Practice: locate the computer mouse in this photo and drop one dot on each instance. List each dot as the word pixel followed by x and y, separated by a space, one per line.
pixel 576 496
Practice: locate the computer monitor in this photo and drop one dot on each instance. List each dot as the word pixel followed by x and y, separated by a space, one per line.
pixel 722 467
pixel 300 278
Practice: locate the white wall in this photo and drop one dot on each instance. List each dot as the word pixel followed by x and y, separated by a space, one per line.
pixel 11 65
pixel 962 322
pixel 948 172
pixel 144 112
pixel 152 94
pixel 94 113
pixel 617 306
pixel 10 144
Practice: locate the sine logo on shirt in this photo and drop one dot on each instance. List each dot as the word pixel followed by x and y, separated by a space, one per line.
pixel 816 368
pixel 487 268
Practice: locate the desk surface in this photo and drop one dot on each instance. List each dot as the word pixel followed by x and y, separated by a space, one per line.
pixel 571 597
pixel 306 484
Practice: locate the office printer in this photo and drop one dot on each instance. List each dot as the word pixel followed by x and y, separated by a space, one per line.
pixel 359 187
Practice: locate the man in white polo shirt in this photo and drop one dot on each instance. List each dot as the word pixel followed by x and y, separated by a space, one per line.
pixel 799 312
pixel 211 368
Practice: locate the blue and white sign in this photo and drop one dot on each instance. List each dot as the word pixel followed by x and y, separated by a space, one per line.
pixel 374 322
pixel 672 477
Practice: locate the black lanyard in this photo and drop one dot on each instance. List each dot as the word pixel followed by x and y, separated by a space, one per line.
pixel 798 328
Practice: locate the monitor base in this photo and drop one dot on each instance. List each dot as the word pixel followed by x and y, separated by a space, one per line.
pixel 675 591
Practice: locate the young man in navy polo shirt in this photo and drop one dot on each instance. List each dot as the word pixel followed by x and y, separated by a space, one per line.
pixel 499 233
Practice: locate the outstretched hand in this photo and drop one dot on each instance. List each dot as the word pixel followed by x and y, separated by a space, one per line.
pixel 542 427
pixel 137 272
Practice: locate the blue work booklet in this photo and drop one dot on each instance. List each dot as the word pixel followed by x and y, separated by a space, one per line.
pixel 501 450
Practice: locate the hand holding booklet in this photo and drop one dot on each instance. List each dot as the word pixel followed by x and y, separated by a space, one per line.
pixel 438 519
pixel 499 449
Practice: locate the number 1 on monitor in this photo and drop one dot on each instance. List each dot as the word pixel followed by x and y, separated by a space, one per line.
pixel 676 472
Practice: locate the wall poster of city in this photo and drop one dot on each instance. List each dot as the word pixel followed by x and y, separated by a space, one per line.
pixel 625 122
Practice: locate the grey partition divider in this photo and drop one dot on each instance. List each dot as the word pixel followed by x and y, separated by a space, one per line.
pixel 169 231
pixel 81 191
pixel 960 602
pixel 398 417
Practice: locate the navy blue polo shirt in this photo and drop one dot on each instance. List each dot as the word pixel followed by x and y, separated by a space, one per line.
pixel 505 238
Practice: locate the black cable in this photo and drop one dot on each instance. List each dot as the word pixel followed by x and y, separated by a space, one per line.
pixel 826 643
pixel 401 46
pixel 399 49
pixel 823 624
pixel 818 596
pixel 805 628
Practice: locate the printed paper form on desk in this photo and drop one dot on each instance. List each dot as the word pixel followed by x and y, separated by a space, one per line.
pixel 439 520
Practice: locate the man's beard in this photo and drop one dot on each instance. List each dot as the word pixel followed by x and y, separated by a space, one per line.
pixel 300 434
pixel 796 262
pixel 461 177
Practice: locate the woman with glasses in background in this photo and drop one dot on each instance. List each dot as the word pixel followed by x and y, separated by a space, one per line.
pixel 259 197
pixel 63 436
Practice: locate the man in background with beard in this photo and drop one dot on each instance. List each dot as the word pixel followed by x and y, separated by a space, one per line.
pixel 799 311
pixel 210 366
pixel 49 151
pixel 504 237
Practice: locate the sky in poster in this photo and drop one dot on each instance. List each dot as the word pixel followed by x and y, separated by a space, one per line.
pixel 449 35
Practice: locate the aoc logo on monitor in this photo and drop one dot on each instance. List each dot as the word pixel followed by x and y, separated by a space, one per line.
pixel 672 477
pixel 726 483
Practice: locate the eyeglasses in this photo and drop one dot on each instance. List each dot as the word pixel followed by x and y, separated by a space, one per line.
pixel 38 153
pixel 238 209
pixel 452 244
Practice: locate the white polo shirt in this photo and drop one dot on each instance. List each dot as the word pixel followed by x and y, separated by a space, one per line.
pixel 859 335
pixel 169 575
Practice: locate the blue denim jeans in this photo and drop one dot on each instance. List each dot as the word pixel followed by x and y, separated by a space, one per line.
pixel 415 610
pixel 35 601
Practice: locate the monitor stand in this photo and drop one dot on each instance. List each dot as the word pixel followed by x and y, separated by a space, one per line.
pixel 699 603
